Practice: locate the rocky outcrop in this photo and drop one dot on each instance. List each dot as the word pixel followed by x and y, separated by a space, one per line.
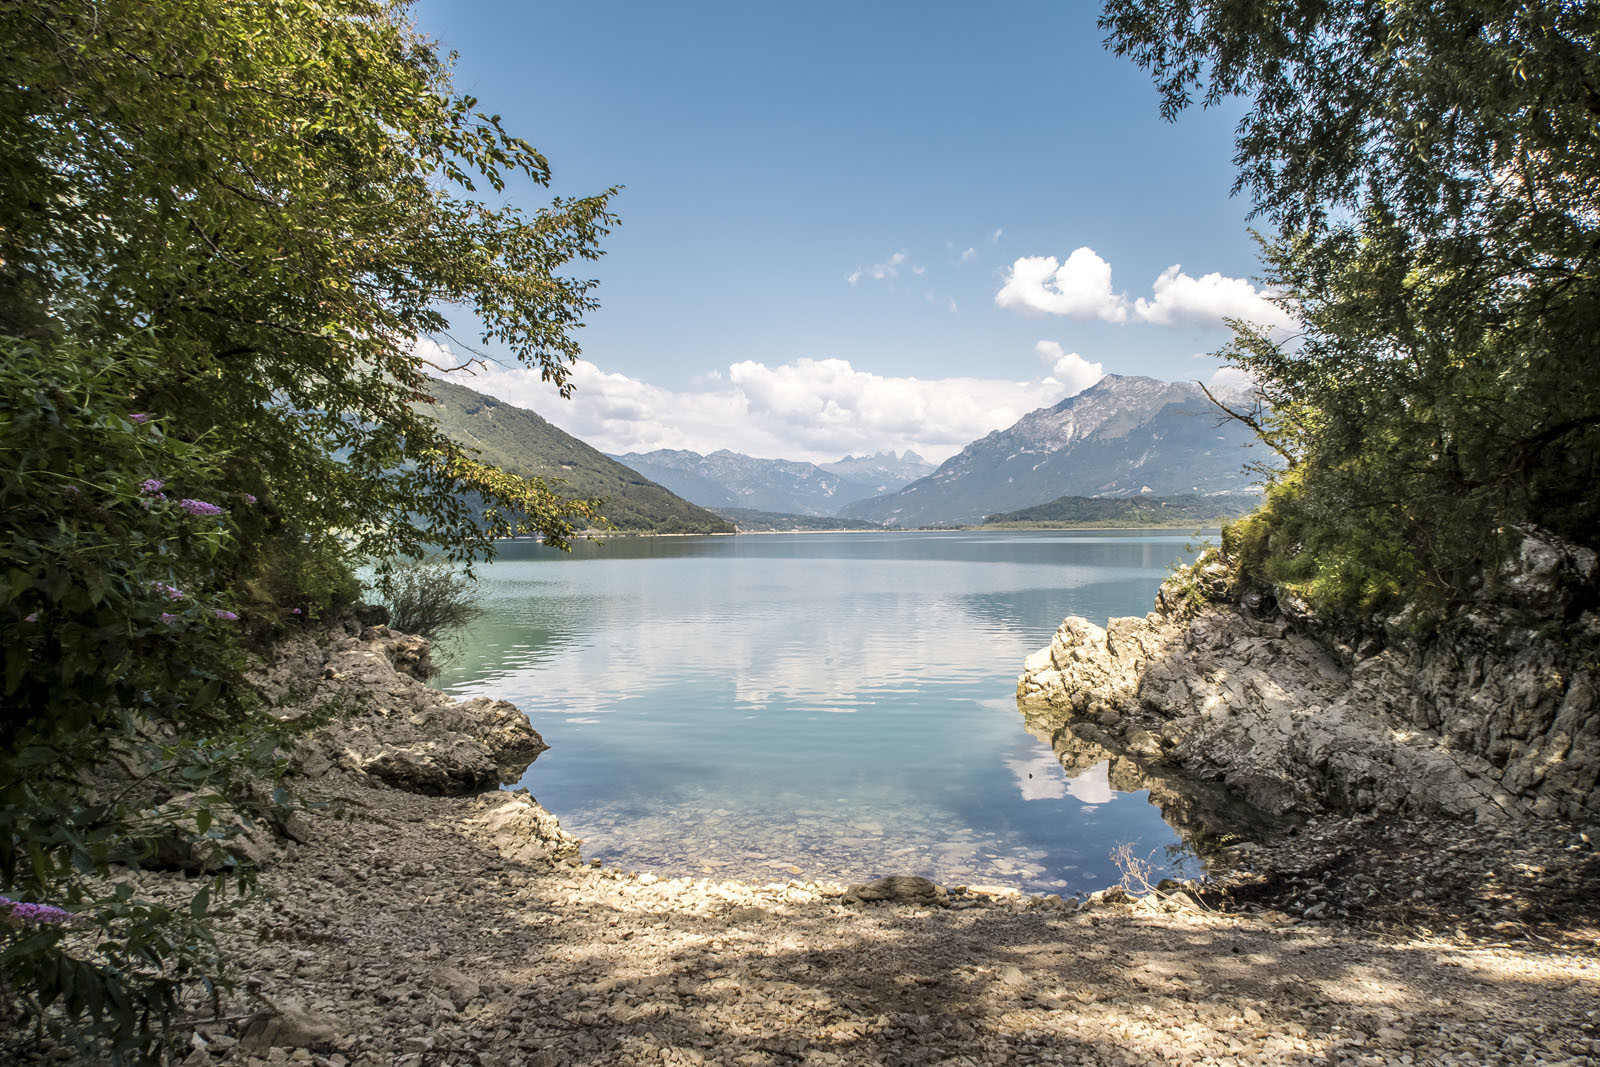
pixel 361 688
pixel 1490 717
pixel 519 828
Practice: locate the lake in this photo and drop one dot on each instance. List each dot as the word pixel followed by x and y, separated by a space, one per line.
pixel 834 706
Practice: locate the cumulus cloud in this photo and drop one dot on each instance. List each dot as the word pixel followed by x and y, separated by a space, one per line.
pixel 1080 288
pixel 1072 371
pixel 816 410
pixel 1210 298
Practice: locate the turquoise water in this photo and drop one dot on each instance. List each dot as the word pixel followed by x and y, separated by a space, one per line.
pixel 814 705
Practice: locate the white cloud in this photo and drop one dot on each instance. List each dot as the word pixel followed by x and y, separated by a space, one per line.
pixel 816 410
pixel 994 238
pixel 968 255
pixel 1068 368
pixel 1080 288
pixel 1208 299
pixel 888 270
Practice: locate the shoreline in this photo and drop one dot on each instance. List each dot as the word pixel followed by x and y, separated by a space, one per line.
pixel 401 928
pixel 599 536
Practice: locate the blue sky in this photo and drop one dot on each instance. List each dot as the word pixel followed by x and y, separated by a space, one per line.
pixel 839 219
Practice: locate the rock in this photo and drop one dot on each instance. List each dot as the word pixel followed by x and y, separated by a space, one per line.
pixel 391 726
pixel 1295 716
pixel 229 837
pixel 519 828
pixel 457 987
pixel 898 889
pixel 291 1025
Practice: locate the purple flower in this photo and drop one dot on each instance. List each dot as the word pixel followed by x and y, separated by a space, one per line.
pixel 70 490
pixel 199 508
pixel 249 498
pixel 151 486
pixel 36 913
pixel 225 616
pixel 296 611
pixel 32 616
pixel 171 592
pixel 169 618
pixel 139 417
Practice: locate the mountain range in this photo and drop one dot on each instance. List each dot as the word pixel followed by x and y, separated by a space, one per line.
pixel 1121 437
pixel 1124 437
pixel 519 441
pixel 727 481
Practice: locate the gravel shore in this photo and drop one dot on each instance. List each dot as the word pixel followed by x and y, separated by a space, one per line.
pixel 418 930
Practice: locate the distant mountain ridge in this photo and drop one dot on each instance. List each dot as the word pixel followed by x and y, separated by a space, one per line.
pixel 731 480
pixel 521 442
pixel 1122 436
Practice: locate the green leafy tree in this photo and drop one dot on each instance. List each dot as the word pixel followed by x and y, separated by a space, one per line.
pixel 283 195
pixel 223 229
pixel 1432 174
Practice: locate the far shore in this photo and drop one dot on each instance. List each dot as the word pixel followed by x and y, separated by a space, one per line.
pixel 602 535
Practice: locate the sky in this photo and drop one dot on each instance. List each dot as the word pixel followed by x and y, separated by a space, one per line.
pixel 855 227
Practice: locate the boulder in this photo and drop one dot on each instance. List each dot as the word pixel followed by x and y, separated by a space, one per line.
pixel 383 721
pixel 289 1025
pixel 898 889
pixel 519 828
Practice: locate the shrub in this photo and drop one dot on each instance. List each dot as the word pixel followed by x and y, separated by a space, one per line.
pixel 117 639
pixel 428 597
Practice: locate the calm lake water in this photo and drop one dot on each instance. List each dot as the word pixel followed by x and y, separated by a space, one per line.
pixel 814 705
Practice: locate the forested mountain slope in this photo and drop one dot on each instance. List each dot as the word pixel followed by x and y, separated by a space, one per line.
pixel 521 442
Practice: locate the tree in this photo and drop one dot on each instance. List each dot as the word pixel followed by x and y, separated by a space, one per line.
pixel 223 229
pixel 1432 174
pixel 281 196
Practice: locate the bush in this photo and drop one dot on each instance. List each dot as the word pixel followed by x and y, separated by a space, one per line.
pixel 427 597
pixel 118 642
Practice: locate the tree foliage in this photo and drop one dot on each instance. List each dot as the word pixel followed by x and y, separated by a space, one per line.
pixel 1432 173
pixel 223 229
pixel 282 196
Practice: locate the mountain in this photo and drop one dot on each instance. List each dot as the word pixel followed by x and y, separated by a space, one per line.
pixel 884 472
pixel 521 442
pixel 727 479
pixel 1122 436
pixel 1143 510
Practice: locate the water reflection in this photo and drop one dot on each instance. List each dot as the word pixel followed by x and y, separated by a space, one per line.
pixel 828 705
